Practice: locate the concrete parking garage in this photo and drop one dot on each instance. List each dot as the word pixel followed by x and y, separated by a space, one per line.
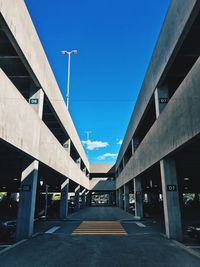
pixel 156 173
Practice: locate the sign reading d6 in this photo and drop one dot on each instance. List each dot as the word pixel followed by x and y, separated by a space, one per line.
pixel 34 101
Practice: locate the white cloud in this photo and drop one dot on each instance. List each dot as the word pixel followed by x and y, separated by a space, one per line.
pixel 107 155
pixel 91 145
pixel 120 142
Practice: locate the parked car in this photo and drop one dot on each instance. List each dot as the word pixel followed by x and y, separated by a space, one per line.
pixel 7 229
pixel 194 231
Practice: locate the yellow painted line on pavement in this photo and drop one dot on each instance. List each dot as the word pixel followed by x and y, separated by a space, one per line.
pixel 99 228
pixel 97 233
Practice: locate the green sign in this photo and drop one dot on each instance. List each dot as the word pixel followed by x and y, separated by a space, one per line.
pixel 34 101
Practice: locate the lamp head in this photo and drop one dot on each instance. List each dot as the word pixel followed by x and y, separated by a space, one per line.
pixel 41 182
pixel 64 52
pixel 74 52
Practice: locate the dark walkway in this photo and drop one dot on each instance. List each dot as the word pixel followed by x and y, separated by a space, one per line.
pixel 142 246
pixel 101 214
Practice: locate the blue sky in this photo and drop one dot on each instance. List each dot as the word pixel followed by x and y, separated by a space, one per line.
pixel 115 40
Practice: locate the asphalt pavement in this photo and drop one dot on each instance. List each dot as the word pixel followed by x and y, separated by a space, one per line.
pixel 96 237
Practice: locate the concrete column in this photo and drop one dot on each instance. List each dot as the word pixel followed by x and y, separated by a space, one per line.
pixel 64 199
pixel 126 197
pixel 27 199
pixel 136 143
pixel 85 171
pixel 148 197
pixel 132 146
pixel 121 198
pixel 78 162
pixel 76 198
pixel 111 198
pixel 117 198
pixel 36 100
pixel 83 198
pixel 173 224
pixel 161 96
pixel 46 200
pixel 155 197
pixel 123 163
pixel 14 196
pixel 88 198
pixel 67 145
pixel 138 198
pixel 114 198
pixel 87 174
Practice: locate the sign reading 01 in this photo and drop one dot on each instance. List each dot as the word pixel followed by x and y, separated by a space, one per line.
pixel 163 100
pixel 171 187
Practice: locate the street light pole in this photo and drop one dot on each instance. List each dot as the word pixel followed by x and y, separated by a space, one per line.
pixel 64 52
pixel 68 80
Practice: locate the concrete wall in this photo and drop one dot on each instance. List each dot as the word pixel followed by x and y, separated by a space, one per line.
pixel 176 125
pixel 27 43
pixel 21 127
pixel 176 25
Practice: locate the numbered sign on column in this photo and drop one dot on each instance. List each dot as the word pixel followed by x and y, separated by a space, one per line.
pixel 171 187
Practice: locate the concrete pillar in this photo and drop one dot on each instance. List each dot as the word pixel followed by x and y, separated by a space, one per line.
pixel 46 200
pixel 14 196
pixel 78 162
pixel 88 198
pixel 155 197
pixel 76 198
pixel 161 96
pixel 64 199
pixel 126 197
pixel 83 198
pixel 27 198
pixel 173 224
pixel 85 171
pixel 132 147
pixel 67 145
pixel 111 198
pixel 121 198
pixel 36 100
pixel 136 143
pixel 117 198
pixel 114 198
pixel 123 163
pixel 138 198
